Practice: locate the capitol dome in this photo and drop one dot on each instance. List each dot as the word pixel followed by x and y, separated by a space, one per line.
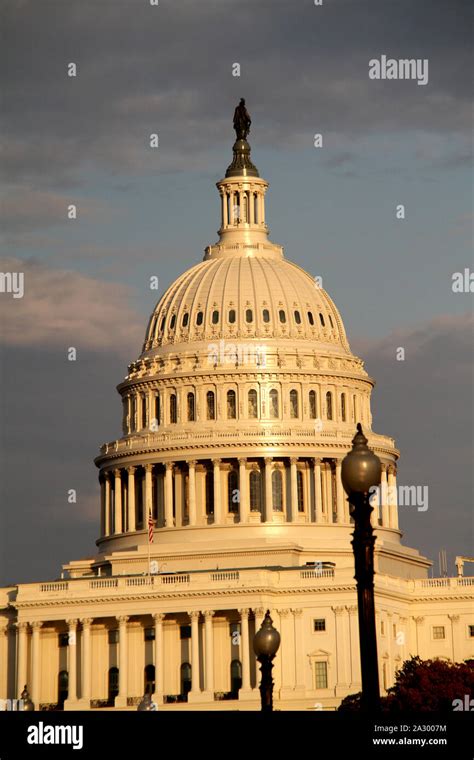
pixel 239 410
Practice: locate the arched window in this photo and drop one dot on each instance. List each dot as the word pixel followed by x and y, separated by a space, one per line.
pixel 274 414
pixel 299 490
pixel 255 208
pixel 248 315
pixel 231 405
pixel 282 316
pixel 329 405
pixel 233 496
pixel 173 322
pixel 252 404
pixel 343 407
pixel 191 407
pixel 277 491
pixel 163 322
pixel 321 319
pixel 312 405
pixel 293 404
pixel 186 682
pixel 113 685
pixel 255 491
pixel 215 317
pixel 143 411
pixel 173 411
pixel 157 408
pixel 330 320
pixel 310 318
pixel 199 318
pixel 149 679
pixel 235 678
pixel 297 317
pixel 244 202
pixel 354 412
pixel 266 315
pixel 211 406
pixel 232 316
pixel 63 686
pixel 185 321
pixel 209 493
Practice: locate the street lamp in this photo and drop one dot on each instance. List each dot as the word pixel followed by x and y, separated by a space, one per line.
pixel 265 645
pixel 27 704
pixel 360 470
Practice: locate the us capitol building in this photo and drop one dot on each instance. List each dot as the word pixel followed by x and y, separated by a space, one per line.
pixel 236 417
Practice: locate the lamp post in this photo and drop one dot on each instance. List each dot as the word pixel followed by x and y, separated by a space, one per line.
pixel 27 704
pixel 265 645
pixel 360 470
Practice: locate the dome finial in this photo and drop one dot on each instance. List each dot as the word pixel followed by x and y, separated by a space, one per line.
pixel 242 120
pixel 241 165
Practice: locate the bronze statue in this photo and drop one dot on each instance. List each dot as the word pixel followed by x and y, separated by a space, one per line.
pixel 242 121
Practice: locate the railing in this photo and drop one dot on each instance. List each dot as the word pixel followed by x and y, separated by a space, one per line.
pixel 55 586
pixel 324 573
pixel 104 583
pixel 231 575
pixel 178 578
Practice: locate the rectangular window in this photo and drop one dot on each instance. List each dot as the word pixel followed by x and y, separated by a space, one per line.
pixel 63 639
pixel 471 631
pixel 149 634
pixel 184 631
pixel 382 628
pixel 319 624
pixel 321 675
pixel 394 629
pixel 114 636
pixel 438 632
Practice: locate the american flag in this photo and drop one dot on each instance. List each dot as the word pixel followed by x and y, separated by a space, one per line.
pixel 150 527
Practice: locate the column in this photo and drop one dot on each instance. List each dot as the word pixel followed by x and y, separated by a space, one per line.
pixel 132 526
pixel 231 207
pixel 383 497
pixel 208 615
pixel 102 504
pixel 86 660
pixel 300 650
pixel 192 491
pixel 159 684
pixel 35 663
pixel 261 208
pixel 121 700
pixel 21 679
pixel 243 491
pixel 375 504
pixel 117 502
pixel 268 490
pixel 355 674
pixel 259 613
pixel 392 485
pixel 251 207
pixel 169 494
pixel 288 654
pixel 195 685
pixel 224 208
pixel 419 636
pixel 244 649
pixel 328 476
pixel 217 492
pixel 318 497
pixel 107 520
pixel 148 493
pixel 72 662
pixel 4 652
pixel 293 489
pixel 342 683
pixel 340 495
pixel 454 635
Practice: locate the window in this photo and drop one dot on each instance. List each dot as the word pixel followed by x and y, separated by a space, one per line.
pixel 297 317
pixel 143 411
pixel 343 407
pixel 184 632
pixel 199 318
pixel 277 491
pixel 321 319
pixel 310 318
pixel 173 412
pixel 330 320
pixel 209 493
pixel 470 630
pixel 149 678
pixel 319 624
pixel 63 687
pixel 382 628
pixel 299 490
pixel 312 405
pixel 256 491
pixel 157 408
pixel 293 404
pixel 173 322
pixel 354 408
pixel 282 316
pixel 185 321
pixel 63 639
pixel 215 317
pixel 210 402
pixel 113 636
pixel 163 322
pixel 233 496
pixel 232 316
pixel 113 683
pixel 235 677
pixel 321 675
pixel 438 632
pixel 266 315
pixel 231 405
pixel 185 673
pixel 394 630
pixel 191 407
pixel 149 634
pixel 249 315
pixel 252 404
pixel 329 405
pixel 274 414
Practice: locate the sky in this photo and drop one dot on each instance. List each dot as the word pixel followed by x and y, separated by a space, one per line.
pixel 142 212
